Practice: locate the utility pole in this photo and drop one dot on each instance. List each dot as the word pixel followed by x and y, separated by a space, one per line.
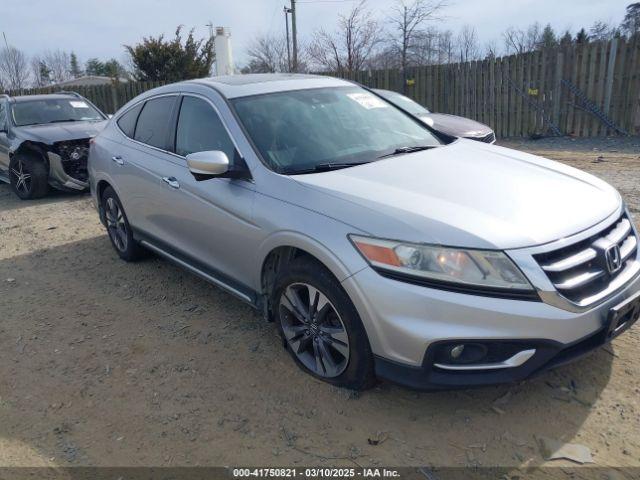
pixel 211 39
pixel 287 11
pixel 294 32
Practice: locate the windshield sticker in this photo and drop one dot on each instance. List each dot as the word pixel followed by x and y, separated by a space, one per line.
pixel 78 104
pixel 367 100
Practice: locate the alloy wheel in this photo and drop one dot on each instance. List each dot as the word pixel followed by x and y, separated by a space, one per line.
pixel 314 330
pixel 116 225
pixel 23 177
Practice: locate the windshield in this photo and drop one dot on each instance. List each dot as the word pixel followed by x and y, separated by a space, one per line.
pixel 403 102
pixel 297 131
pixel 34 112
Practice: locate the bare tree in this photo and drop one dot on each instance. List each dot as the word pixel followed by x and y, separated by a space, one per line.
pixel 468 47
pixel 350 46
pixel 59 64
pixel 521 41
pixel 514 40
pixel 14 68
pixel 268 54
pixel 446 47
pixel 601 31
pixel 491 49
pixel 407 20
pixel 385 58
pixel 425 50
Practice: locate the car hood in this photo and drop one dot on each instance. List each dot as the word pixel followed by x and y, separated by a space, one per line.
pixel 455 126
pixel 57 132
pixel 466 194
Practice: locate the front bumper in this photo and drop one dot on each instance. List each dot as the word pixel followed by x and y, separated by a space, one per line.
pixel 60 179
pixel 405 324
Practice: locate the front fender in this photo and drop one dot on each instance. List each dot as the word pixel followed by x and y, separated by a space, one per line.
pixel 337 253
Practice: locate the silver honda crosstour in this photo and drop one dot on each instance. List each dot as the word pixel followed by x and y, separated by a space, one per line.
pixel 378 250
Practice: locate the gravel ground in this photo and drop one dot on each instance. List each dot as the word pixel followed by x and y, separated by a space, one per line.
pixel 115 364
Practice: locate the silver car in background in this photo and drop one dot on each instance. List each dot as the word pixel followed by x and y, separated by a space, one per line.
pixel 378 250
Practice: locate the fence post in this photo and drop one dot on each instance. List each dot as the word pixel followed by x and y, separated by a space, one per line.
pixel 557 87
pixel 610 68
pixel 114 95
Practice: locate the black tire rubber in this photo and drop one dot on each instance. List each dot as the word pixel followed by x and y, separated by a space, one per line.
pixel 133 251
pixel 359 373
pixel 39 171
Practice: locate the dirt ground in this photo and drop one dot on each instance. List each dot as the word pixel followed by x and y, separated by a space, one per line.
pixel 115 364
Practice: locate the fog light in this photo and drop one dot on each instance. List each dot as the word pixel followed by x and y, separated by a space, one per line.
pixel 461 353
pixel 456 351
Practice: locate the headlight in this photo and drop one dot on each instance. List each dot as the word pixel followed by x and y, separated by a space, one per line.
pixel 473 268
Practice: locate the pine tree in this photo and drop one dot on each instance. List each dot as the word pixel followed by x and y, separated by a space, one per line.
pixel 566 39
pixel 172 60
pixel 548 40
pixel 74 66
pixel 631 23
pixel 582 37
pixel 94 67
pixel 45 73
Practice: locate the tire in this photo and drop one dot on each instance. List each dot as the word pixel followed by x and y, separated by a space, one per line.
pixel 118 228
pixel 331 346
pixel 28 176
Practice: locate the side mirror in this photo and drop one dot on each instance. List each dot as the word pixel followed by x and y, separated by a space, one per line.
pixel 209 164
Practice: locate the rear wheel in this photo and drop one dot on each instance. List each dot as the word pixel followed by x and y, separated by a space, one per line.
pixel 321 327
pixel 118 228
pixel 28 176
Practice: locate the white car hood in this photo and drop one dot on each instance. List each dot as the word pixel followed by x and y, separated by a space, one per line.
pixel 464 194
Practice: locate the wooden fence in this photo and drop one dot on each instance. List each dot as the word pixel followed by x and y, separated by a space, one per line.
pixel 517 95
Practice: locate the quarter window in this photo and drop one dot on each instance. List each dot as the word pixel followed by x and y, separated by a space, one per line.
pixel 127 122
pixel 200 129
pixel 153 121
pixel 3 115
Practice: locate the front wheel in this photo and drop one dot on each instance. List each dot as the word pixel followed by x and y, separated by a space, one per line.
pixel 28 176
pixel 321 327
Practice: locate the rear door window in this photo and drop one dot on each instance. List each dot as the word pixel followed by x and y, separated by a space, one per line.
pixel 200 129
pixel 152 126
pixel 127 121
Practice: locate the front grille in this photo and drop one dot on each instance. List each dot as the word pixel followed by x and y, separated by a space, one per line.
pixel 582 270
pixel 486 139
pixel 74 155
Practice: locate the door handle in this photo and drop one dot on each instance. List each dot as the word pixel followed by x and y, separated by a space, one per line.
pixel 118 159
pixel 171 181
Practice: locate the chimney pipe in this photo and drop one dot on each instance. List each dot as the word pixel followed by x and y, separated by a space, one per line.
pixel 224 57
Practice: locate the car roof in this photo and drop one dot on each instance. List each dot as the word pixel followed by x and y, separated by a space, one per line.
pixel 48 96
pixel 234 86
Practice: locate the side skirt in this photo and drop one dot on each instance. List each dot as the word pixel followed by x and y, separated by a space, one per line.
pixel 236 289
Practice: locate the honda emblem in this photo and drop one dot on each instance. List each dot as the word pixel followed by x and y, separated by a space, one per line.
pixel 613 258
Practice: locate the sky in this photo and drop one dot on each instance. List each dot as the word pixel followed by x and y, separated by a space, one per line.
pixel 100 28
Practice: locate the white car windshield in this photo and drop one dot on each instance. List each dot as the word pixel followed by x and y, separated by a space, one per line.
pixel 305 130
pixel 55 110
